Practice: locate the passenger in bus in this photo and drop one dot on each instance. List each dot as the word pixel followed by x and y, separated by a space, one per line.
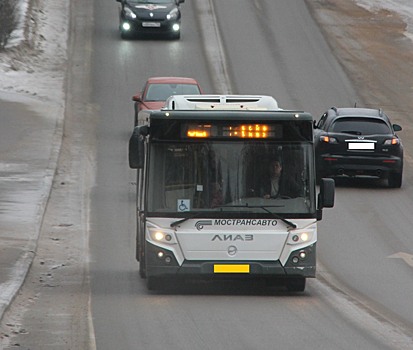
pixel 278 184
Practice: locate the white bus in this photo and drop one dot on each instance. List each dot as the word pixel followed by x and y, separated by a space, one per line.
pixel 209 203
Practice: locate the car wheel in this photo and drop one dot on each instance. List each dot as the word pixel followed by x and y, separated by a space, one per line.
pixel 296 284
pixel 395 180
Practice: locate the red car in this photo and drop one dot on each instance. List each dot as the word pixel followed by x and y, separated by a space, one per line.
pixel 157 90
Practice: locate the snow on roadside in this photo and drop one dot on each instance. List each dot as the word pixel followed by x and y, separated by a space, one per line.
pixel 35 66
pixel 402 7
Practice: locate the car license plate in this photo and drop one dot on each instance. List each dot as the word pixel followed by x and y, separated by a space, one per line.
pixel 231 268
pixel 361 146
pixel 151 24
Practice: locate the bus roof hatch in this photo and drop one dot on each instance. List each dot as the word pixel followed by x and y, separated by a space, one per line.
pixel 221 102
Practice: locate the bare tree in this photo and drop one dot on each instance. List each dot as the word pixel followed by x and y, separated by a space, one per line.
pixel 8 20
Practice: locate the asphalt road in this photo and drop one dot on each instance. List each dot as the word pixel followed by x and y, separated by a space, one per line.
pixel 361 297
pixel 269 48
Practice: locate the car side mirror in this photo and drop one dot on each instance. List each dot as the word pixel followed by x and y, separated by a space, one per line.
pixel 179 1
pixel 397 127
pixel 137 97
pixel 314 124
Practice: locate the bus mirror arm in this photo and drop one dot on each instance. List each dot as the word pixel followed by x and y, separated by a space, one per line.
pixel 137 147
pixel 326 196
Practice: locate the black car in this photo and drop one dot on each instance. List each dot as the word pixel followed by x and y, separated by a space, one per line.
pixel 358 142
pixel 150 17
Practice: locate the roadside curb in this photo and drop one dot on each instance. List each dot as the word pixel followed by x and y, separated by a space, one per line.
pixel 38 154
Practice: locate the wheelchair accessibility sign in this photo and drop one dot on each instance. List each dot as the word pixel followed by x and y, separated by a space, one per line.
pixel 183 205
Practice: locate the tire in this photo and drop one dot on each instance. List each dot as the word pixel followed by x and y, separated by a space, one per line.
pixel 395 180
pixel 140 255
pixel 154 283
pixel 296 284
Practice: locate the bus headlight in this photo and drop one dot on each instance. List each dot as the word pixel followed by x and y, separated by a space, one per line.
pixel 161 236
pixel 301 237
pixel 304 236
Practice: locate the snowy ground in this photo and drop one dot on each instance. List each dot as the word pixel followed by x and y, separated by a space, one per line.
pixel 34 63
pixel 37 68
pixel 403 7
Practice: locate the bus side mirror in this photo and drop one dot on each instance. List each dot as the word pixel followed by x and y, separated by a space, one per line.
pixel 136 149
pixel 326 196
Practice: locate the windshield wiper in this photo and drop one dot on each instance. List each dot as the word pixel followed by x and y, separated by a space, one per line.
pixel 177 222
pixel 277 216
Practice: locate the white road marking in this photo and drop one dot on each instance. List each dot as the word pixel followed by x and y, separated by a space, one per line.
pixel 408 258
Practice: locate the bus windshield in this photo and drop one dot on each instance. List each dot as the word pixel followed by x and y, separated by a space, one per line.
pixel 222 176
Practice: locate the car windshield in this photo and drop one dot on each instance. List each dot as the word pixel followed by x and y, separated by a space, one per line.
pixel 360 126
pixel 213 177
pixel 161 92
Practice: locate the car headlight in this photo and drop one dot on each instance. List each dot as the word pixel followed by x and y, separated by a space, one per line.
pixel 173 14
pixel 129 13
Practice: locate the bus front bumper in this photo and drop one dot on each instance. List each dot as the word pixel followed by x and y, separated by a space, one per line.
pixel 165 265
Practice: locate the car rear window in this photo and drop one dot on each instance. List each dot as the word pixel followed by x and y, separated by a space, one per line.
pixel 360 126
pixel 160 92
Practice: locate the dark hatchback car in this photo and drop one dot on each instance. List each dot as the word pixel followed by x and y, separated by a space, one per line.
pixel 358 142
pixel 150 17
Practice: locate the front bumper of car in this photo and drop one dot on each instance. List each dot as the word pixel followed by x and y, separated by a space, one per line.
pixel 138 26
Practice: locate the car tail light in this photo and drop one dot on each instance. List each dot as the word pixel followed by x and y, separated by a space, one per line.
pixel 393 141
pixel 328 139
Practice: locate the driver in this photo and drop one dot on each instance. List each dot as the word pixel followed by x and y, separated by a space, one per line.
pixel 278 185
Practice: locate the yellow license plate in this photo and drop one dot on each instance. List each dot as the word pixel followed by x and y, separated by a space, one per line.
pixel 228 268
